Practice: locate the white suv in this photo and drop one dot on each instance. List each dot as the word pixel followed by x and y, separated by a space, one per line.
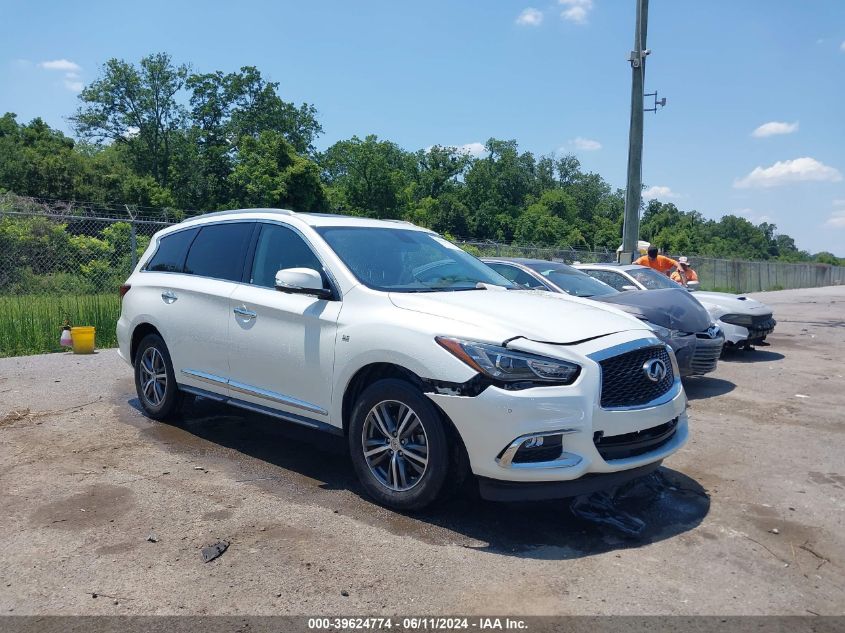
pixel 431 363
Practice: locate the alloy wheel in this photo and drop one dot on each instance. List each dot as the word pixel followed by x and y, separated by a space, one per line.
pixel 395 445
pixel 153 376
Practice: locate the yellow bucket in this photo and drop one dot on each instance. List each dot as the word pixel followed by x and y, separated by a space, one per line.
pixel 83 339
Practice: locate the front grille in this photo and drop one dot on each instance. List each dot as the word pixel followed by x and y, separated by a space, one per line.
pixel 751 321
pixel 636 443
pixel 706 355
pixel 624 383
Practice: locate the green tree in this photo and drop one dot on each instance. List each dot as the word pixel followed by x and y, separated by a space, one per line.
pixel 137 106
pixel 367 177
pixel 269 173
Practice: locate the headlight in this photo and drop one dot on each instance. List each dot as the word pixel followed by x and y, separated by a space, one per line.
pixel 505 365
pixel 663 332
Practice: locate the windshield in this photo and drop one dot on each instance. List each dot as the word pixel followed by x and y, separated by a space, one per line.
pixel 402 260
pixel 572 281
pixel 652 279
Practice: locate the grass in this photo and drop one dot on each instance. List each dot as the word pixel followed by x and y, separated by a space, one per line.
pixel 31 324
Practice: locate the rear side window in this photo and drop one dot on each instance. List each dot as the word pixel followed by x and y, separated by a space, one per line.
pixel 279 248
pixel 612 279
pixel 517 276
pixel 170 255
pixel 219 251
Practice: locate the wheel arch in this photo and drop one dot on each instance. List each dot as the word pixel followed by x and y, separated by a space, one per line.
pixel 373 372
pixel 141 330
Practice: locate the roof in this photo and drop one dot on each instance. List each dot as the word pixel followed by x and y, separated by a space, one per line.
pixel 524 261
pixel 610 265
pixel 310 219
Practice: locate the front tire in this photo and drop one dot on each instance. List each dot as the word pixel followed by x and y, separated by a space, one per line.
pixel 155 381
pixel 399 445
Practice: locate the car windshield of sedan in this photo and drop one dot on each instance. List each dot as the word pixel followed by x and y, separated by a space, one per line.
pixel 652 279
pixel 402 260
pixel 572 281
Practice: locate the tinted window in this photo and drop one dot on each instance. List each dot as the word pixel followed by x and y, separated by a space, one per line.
pixel 219 251
pixel 278 248
pixel 170 255
pixel 403 260
pixel 572 281
pixel 517 276
pixel 652 279
pixel 612 279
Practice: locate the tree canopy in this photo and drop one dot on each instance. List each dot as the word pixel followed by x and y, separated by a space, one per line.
pixel 158 135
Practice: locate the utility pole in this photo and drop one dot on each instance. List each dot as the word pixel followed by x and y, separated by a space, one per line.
pixel 633 189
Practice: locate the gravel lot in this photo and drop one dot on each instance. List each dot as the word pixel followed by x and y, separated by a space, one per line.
pixel 747 519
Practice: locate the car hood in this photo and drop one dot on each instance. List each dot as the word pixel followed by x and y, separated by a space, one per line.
pixel 671 308
pixel 734 304
pixel 539 316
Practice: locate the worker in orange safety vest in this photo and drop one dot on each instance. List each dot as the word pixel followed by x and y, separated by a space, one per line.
pixel 685 273
pixel 660 263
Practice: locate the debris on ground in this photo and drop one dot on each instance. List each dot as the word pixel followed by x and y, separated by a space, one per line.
pixel 599 507
pixel 152 538
pixel 213 551
pixel 774 531
pixel 344 593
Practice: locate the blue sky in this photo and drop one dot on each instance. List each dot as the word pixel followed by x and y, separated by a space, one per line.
pixel 550 74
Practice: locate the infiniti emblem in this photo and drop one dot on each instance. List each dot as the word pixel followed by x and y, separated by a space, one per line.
pixel 654 369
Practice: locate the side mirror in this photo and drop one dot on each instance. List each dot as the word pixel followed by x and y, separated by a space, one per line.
pixel 304 281
pixel 692 286
pixel 629 288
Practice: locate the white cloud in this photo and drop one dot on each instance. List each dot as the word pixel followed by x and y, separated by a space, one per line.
pixel 476 150
pixel 61 64
pixel 585 144
pixel 530 17
pixel 840 202
pixel 659 191
pixel 789 171
pixel 749 215
pixel 773 128
pixel 473 149
pixel 131 132
pixel 72 80
pixel 576 10
pixel 836 220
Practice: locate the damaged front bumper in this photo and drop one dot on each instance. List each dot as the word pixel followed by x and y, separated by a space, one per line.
pixel 558 441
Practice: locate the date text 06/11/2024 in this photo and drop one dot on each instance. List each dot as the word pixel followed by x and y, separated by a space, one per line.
pixel 417 623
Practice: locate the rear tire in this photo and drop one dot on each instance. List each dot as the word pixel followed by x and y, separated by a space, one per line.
pixel 399 445
pixel 155 381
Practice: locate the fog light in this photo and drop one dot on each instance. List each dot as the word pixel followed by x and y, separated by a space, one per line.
pixel 532 442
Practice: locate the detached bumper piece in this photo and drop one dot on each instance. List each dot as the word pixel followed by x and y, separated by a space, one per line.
pixel 496 490
pixel 759 326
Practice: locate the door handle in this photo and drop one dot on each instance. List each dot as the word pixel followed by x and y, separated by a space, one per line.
pixel 168 296
pixel 246 314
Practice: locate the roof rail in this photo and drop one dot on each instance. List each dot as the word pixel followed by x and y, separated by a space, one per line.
pixel 215 214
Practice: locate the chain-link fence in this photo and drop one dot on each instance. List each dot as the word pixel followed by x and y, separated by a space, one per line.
pixel 559 254
pixel 63 263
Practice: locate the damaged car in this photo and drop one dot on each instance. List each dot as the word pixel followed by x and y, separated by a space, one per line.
pixel 672 313
pixel 433 366
pixel 744 321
